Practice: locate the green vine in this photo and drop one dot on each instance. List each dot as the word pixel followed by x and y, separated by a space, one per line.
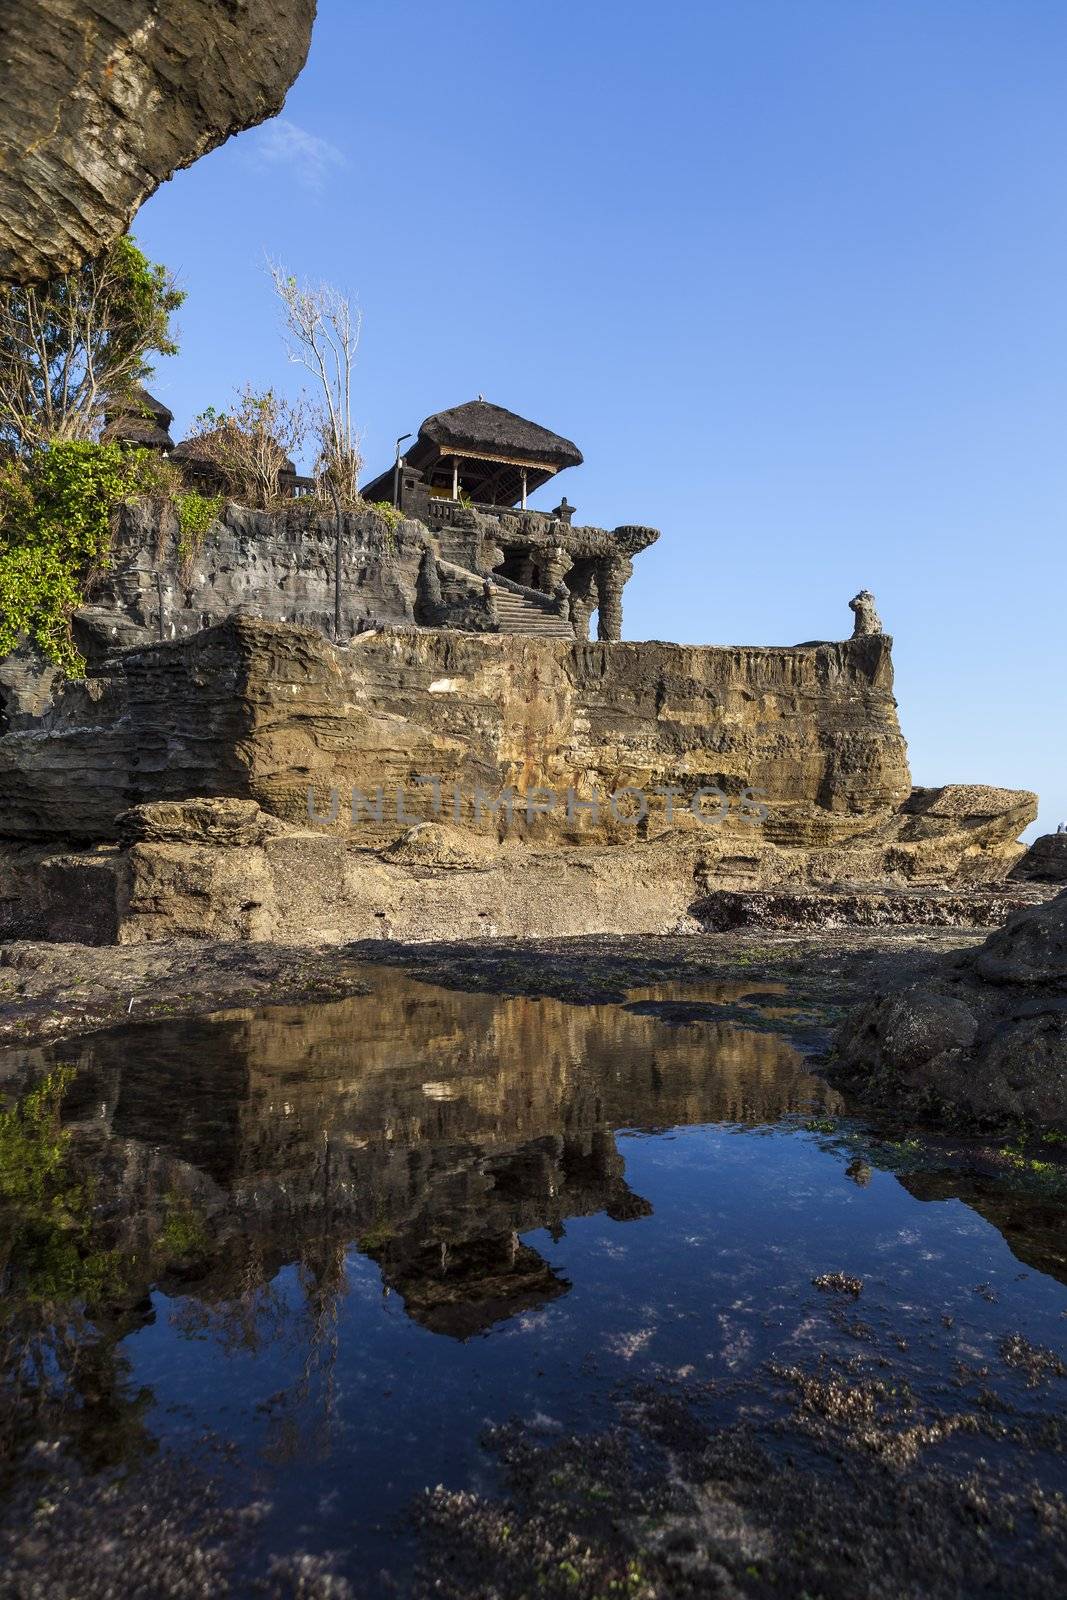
pixel 55 534
pixel 196 513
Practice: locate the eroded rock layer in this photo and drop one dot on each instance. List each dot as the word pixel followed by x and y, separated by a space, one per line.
pixel 101 100
pixel 254 781
pixel 266 711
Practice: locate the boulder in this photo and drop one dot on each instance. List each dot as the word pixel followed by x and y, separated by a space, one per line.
pixel 898 1033
pixel 982 1042
pixel 187 891
pixel 101 101
pixel 1045 861
pixel 205 822
pixel 1031 948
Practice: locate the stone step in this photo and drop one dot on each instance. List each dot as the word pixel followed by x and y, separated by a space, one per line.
pixel 518 613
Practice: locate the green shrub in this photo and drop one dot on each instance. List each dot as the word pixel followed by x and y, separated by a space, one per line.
pixel 55 533
pixel 391 516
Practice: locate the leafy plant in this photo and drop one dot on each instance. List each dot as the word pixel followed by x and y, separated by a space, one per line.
pixel 196 513
pixel 55 533
pixel 73 348
pixel 391 516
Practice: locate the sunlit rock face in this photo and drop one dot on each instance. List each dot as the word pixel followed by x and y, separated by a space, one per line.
pixel 346 751
pixel 259 710
pixel 100 102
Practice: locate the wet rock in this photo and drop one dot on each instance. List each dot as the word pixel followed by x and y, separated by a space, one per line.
pixel 100 102
pixel 982 1041
pixel 897 1033
pixel 839 1283
pixel 1030 949
pixel 883 907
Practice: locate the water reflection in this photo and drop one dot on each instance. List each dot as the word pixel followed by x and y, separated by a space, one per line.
pixel 339 1237
pixel 432 1127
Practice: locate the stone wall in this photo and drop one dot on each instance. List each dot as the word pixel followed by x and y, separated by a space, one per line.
pixel 275 564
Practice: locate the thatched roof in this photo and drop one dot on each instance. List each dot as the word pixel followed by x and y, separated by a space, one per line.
pixel 141 420
pixel 479 426
pixel 493 446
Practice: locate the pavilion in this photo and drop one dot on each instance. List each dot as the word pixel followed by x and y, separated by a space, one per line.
pixel 479 452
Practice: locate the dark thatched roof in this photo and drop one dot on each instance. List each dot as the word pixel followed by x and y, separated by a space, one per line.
pixel 494 447
pixel 479 426
pixel 140 419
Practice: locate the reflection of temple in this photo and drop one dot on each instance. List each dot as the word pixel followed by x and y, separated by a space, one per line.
pixel 431 1128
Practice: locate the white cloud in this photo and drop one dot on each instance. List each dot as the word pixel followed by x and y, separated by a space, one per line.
pixel 309 159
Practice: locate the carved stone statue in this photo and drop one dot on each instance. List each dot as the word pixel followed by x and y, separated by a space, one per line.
pixel 867 618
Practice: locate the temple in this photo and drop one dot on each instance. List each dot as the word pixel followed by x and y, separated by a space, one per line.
pixel 468 552
pixel 468 477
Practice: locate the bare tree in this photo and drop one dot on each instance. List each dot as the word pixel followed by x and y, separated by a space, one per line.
pixel 322 332
pixel 249 446
pixel 72 348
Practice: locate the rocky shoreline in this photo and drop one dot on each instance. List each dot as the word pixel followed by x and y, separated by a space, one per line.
pixel 981 1039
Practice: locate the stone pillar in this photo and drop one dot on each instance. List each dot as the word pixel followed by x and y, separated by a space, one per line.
pixel 555 566
pixel 612 575
pixel 581 611
pixel 582 586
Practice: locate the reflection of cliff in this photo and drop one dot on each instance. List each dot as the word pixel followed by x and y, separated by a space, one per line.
pixel 430 1126
pixel 1034 1228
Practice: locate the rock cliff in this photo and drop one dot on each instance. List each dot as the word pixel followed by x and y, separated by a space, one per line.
pixel 100 102
pixel 371 784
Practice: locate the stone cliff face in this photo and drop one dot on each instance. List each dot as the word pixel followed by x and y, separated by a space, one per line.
pixel 100 102
pixel 405 742
pixel 278 564
pixel 264 711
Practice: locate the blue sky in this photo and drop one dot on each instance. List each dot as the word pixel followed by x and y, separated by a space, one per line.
pixel 792 273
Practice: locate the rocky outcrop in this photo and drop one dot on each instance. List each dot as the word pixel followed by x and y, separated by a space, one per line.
pixel 1044 862
pixel 278 565
pixel 985 1042
pixel 425 783
pixel 256 710
pixel 985 907
pixel 100 102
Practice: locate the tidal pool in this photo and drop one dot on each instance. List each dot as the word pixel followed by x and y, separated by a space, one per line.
pixel 309 1259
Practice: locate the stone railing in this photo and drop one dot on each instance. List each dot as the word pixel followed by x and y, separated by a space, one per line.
pixel 458 514
pixel 557 603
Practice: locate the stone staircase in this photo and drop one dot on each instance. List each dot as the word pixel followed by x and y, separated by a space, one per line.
pixel 519 613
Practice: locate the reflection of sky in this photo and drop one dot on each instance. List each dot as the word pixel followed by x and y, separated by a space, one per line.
pixel 714 1283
